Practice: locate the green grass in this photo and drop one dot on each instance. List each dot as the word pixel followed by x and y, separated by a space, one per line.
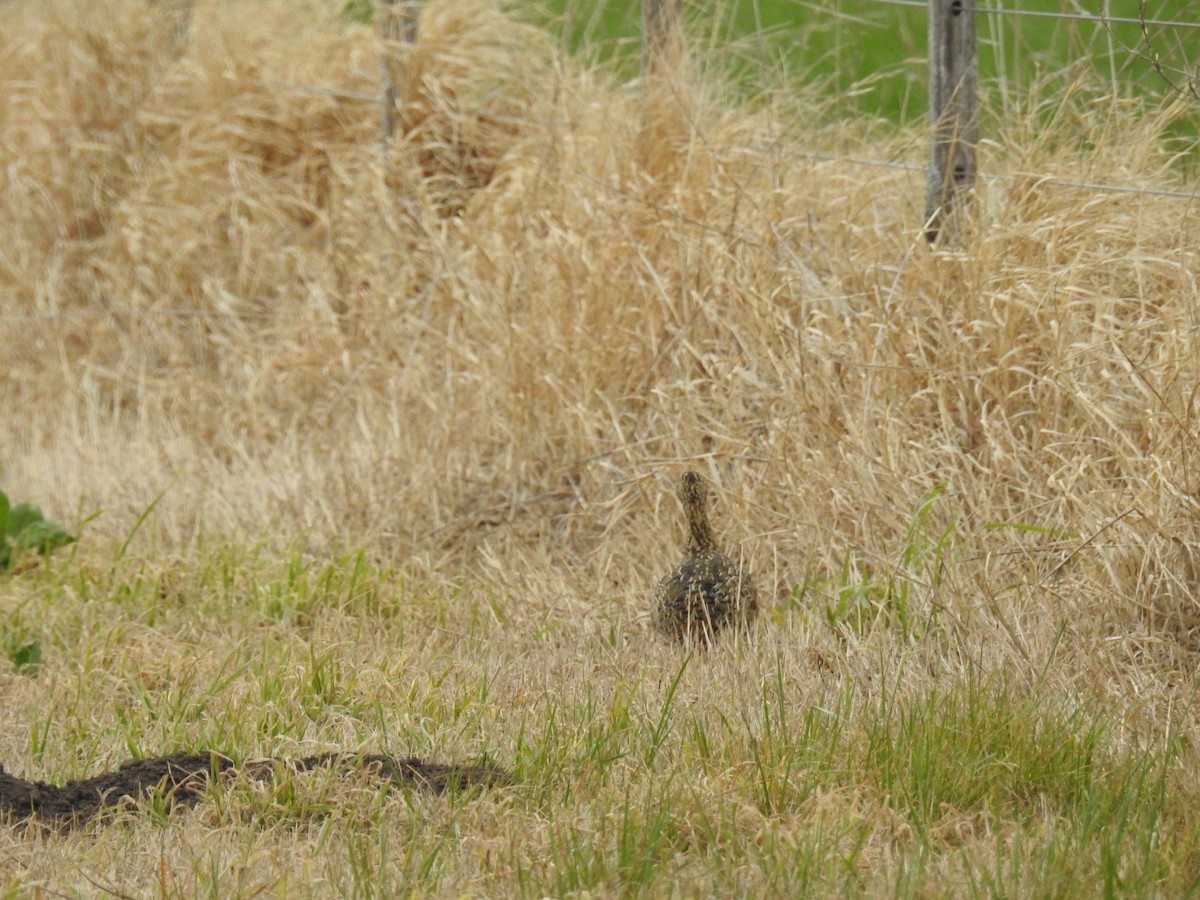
pixel 868 59
pixel 632 778
pixel 873 54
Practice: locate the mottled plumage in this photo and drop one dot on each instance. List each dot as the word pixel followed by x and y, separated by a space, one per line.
pixel 708 591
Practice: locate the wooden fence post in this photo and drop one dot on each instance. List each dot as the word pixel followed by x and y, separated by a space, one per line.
pixel 662 35
pixel 667 102
pixel 181 13
pixel 397 22
pixel 952 113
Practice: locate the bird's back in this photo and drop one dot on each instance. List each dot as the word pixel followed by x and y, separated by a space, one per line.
pixel 703 595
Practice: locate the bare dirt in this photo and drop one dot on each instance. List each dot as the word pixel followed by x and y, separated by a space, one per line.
pixel 182 779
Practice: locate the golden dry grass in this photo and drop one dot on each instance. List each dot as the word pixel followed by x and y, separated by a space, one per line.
pixel 486 360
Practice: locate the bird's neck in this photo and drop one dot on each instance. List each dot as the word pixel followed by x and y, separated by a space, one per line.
pixel 701 539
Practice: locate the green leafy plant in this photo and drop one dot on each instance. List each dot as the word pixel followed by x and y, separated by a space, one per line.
pixel 361 12
pixel 864 594
pixel 24 652
pixel 23 527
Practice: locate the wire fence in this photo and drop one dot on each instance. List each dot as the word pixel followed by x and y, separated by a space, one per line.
pixel 397 21
pixel 1101 19
pixel 951 170
pixel 953 65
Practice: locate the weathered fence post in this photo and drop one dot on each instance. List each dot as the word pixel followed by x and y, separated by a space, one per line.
pixel 952 113
pixel 662 36
pixel 397 22
pixel 667 112
pixel 181 14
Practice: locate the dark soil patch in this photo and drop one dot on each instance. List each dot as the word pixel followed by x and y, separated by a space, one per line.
pixel 182 779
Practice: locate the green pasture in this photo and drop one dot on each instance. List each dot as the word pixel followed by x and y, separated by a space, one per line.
pixel 873 52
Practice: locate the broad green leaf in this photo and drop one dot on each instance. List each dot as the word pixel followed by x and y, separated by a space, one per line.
pixel 42 536
pixel 27 656
pixel 23 526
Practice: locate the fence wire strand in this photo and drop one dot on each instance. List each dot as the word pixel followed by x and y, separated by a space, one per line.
pixel 199 314
pixel 1098 19
pixel 805 154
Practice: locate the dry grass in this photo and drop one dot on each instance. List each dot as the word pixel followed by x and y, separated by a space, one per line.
pixel 484 363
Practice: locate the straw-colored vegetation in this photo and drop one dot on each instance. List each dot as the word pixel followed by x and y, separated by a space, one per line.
pixel 380 456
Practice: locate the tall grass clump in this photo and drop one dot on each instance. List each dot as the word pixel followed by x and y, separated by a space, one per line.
pixel 374 451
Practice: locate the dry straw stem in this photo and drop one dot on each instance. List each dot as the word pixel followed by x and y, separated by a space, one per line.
pixel 486 360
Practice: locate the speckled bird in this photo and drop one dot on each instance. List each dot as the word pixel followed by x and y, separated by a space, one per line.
pixel 708 591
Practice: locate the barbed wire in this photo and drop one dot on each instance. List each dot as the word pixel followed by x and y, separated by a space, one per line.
pixel 268 315
pixel 1041 179
pixel 774 150
pixel 999 176
pixel 1098 19
pixel 877 163
pixel 1180 79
